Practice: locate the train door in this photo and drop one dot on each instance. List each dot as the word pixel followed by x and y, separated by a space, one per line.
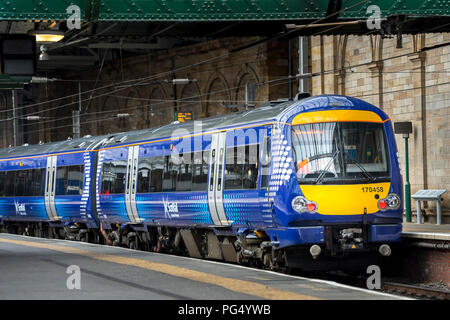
pixel 265 160
pixel 130 188
pixel 216 181
pixel 50 180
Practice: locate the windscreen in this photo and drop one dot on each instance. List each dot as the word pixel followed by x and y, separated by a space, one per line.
pixel 340 152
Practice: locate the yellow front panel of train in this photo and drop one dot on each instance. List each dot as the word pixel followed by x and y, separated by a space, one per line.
pixel 336 116
pixel 346 199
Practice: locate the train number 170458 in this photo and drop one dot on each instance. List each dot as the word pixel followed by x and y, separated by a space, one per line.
pixel 372 189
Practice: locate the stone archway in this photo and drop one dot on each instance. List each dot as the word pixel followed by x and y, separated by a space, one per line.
pixel 217 95
pixel 160 109
pixel 135 107
pixel 191 100
pixel 246 76
pixel 106 117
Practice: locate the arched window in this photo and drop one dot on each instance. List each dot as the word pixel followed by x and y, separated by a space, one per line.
pixel 217 95
pixel 160 109
pixel 245 80
pixel 106 120
pixel 135 107
pixel 191 100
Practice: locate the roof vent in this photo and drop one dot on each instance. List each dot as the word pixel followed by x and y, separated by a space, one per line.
pixel 301 95
pixel 279 101
pixel 122 139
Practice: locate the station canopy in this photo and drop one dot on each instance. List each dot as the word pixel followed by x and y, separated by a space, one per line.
pixel 143 26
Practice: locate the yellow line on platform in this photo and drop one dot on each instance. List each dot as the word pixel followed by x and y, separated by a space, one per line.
pixel 241 286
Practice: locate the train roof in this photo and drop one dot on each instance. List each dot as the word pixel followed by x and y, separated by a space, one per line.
pixel 267 112
pixel 264 113
pixel 270 111
pixel 85 143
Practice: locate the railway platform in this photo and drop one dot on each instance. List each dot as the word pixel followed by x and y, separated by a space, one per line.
pixel 45 269
pixel 426 231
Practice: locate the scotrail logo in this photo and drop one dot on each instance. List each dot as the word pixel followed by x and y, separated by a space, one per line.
pixel 170 209
pixel 20 209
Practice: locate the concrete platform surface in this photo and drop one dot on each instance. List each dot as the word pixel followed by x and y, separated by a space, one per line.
pixel 426 231
pixel 45 269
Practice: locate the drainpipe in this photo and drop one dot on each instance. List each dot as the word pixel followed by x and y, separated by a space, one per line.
pixel 290 69
pixel 15 117
pixel 303 64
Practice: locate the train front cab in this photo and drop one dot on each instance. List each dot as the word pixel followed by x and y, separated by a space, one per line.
pixel 346 198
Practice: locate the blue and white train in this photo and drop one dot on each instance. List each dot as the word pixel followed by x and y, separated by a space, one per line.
pixel 286 185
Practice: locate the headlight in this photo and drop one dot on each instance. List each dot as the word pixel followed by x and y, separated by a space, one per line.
pixel 301 204
pixel 391 202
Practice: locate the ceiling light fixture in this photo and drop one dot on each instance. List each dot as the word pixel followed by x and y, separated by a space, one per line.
pixel 47 36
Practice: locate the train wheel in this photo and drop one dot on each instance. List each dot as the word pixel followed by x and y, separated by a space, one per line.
pixel 132 244
pixel 84 237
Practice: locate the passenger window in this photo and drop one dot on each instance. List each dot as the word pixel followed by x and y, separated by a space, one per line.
pixel 171 168
pixel 9 189
pixel 2 183
pixel 250 174
pixel 241 167
pixel 156 179
pixel 113 177
pixel 200 171
pixel 37 182
pixel 265 165
pixel 75 180
pixel 61 181
pixel 184 179
pixel 144 174
pixel 69 180
pixel 20 183
pixel 233 169
pixel 186 172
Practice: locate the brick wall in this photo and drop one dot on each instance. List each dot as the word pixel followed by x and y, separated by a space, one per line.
pixel 419 264
pixel 151 101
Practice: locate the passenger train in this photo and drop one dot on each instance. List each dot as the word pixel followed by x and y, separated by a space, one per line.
pixel 309 184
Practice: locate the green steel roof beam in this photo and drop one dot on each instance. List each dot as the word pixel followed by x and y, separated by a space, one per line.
pixel 397 7
pixel 212 10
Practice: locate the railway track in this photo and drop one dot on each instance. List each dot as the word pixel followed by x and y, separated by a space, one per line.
pixel 396 288
pixel 416 291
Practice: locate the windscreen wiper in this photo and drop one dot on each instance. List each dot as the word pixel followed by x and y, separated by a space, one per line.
pixel 363 170
pixel 322 174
